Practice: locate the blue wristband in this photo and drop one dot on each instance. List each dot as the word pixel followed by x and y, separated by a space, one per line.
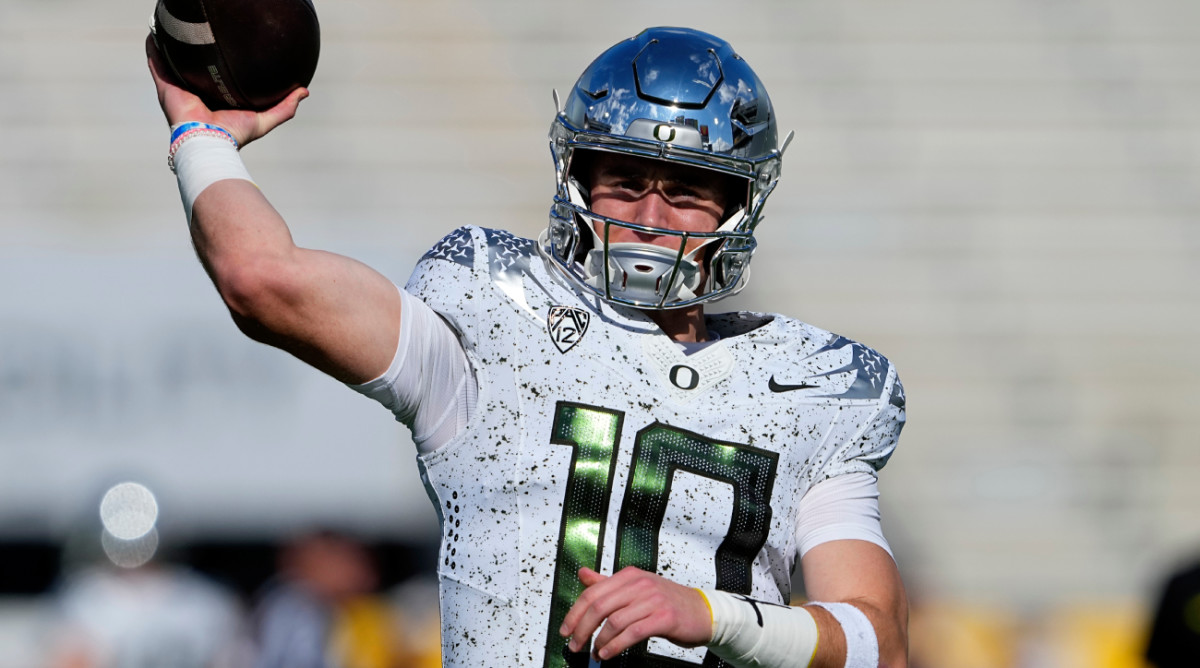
pixel 178 130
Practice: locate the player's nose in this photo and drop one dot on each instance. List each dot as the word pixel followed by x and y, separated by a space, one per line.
pixel 652 210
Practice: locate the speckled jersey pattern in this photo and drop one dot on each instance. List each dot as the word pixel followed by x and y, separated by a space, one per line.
pixel 597 442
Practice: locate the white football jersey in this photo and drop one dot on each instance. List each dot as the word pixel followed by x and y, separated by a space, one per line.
pixel 598 442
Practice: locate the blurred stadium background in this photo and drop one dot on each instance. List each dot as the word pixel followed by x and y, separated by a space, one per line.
pixel 1000 195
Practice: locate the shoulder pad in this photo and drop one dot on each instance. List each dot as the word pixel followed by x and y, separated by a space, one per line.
pixel 457 247
pixel 870 369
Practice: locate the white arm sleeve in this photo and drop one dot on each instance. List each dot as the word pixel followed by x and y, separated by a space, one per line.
pixel 841 507
pixel 430 385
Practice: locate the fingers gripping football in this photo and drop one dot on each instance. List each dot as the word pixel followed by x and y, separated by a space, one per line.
pixel 181 106
pixel 634 605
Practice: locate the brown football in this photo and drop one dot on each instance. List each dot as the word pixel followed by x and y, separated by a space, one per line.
pixel 238 54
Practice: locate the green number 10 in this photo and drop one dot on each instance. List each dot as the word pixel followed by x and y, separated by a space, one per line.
pixel 594 434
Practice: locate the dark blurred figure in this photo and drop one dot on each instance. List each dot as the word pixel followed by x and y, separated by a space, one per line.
pixel 322 610
pixel 1175 633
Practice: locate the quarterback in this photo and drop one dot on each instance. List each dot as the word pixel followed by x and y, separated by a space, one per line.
pixel 621 478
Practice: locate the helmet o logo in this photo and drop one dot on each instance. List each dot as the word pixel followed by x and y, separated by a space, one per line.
pixel 664 132
pixel 684 377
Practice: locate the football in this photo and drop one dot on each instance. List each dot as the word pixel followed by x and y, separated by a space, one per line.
pixel 238 54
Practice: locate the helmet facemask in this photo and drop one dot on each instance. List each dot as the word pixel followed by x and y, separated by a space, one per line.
pixel 728 129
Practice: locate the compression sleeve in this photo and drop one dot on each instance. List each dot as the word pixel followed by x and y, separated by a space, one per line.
pixel 841 507
pixel 429 386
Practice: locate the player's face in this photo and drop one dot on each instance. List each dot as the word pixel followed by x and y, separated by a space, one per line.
pixel 656 194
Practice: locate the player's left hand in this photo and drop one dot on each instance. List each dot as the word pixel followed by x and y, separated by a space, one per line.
pixel 635 605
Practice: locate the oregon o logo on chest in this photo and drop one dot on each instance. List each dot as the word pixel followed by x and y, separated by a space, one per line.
pixel 684 377
pixel 664 132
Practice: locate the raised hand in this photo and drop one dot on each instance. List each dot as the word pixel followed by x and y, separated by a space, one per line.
pixel 180 106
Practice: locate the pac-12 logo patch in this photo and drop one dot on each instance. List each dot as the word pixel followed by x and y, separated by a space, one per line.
pixel 567 326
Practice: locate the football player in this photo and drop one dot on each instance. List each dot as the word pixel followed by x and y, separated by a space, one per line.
pixel 620 477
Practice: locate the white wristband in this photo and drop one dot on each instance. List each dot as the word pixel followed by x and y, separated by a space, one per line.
pixel 202 160
pixel 862 645
pixel 756 634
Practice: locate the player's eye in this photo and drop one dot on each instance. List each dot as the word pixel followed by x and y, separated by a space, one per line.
pixel 683 191
pixel 690 193
pixel 633 185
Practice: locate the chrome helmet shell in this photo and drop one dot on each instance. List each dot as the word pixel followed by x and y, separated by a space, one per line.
pixel 682 96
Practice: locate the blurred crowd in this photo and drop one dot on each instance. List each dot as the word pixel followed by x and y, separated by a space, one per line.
pixel 124 601
pixel 323 608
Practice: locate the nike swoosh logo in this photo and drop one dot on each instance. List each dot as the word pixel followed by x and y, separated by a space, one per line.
pixel 776 387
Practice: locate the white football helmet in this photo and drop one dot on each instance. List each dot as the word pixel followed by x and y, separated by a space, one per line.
pixel 682 96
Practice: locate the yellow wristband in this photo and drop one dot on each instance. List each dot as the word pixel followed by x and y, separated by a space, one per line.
pixel 711 619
